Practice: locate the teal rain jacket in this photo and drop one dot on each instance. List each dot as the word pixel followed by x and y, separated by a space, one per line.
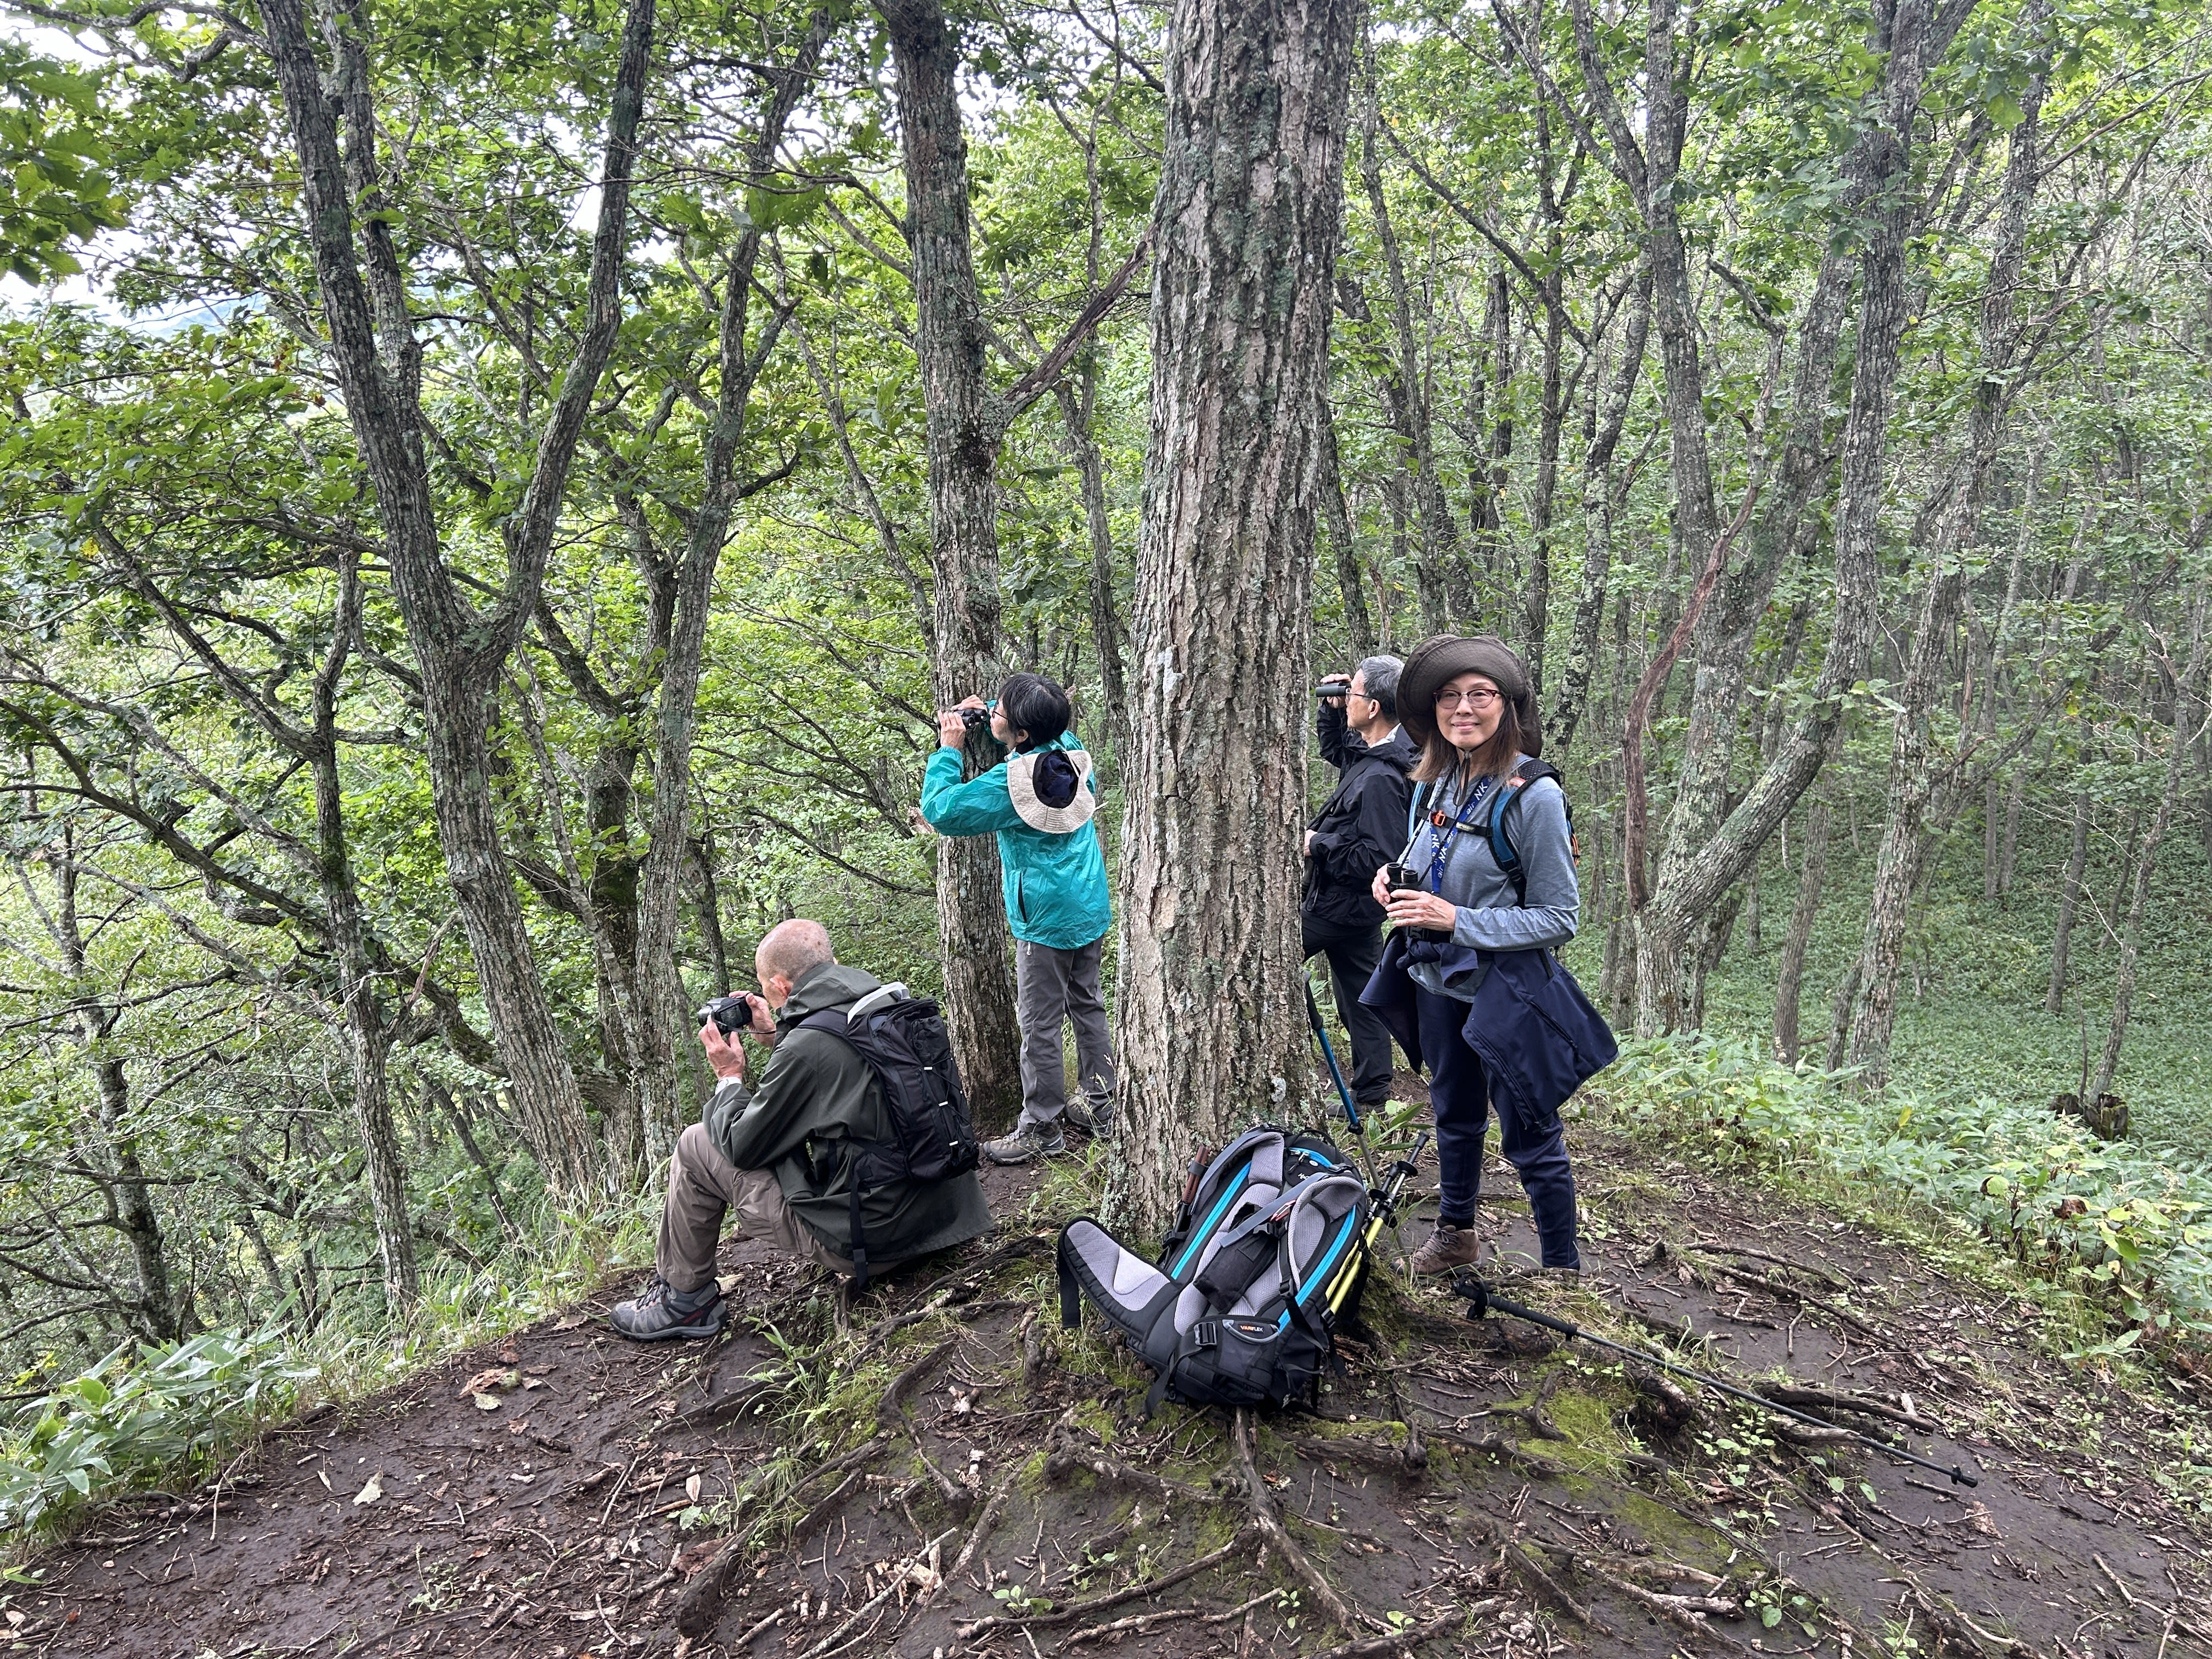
pixel 1054 884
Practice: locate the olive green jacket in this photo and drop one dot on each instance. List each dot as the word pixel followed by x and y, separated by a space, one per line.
pixel 816 1094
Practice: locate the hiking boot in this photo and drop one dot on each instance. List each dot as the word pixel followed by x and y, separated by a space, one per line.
pixel 1095 1117
pixel 662 1312
pixel 1449 1247
pixel 1026 1144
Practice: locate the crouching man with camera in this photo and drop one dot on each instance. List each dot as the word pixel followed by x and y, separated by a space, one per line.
pixel 799 1155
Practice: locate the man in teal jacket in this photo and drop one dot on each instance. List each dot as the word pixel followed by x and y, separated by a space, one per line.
pixel 1040 803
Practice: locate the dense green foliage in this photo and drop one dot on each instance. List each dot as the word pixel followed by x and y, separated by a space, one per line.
pixel 192 556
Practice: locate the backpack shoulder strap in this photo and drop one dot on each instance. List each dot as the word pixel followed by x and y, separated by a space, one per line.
pixel 1501 845
pixel 1413 811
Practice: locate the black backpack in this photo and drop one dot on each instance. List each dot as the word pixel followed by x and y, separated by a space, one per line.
pixel 1242 1304
pixel 933 1137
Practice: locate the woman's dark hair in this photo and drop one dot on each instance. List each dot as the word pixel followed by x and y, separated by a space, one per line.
pixel 1036 705
pixel 1494 759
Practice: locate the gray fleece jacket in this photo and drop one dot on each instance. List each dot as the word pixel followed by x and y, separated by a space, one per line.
pixel 1492 916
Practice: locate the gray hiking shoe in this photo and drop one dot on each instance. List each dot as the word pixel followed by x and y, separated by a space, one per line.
pixel 1449 1247
pixel 1095 1117
pixel 1026 1144
pixel 662 1312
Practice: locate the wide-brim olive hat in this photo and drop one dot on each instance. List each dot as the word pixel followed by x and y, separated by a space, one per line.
pixel 1439 660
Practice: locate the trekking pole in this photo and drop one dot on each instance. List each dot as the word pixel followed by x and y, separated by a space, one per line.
pixel 1336 1071
pixel 1385 1212
pixel 1481 1299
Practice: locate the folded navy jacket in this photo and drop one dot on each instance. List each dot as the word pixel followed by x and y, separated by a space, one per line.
pixel 1536 1034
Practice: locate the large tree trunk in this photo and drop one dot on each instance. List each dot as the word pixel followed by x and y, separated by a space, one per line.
pixel 964 435
pixel 1210 1016
pixel 459 652
pixel 2176 761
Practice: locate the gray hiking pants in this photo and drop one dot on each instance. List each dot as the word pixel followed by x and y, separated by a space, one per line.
pixel 1053 985
pixel 702 1187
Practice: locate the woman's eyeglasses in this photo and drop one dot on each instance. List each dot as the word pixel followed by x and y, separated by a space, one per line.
pixel 1481 696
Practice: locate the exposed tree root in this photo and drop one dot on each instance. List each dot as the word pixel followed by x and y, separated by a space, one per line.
pixel 1826 1275
pixel 1137 1624
pixel 890 1410
pixel 1119 1598
pixel 1263 1511
pixel 1687 1612
pixel 925 1558
pixel 1404 1641
pixel 700 1604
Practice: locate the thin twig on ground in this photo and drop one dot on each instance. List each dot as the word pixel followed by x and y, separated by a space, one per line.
pixel 1100 1603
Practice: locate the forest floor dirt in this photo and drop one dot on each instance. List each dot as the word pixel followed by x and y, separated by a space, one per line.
pixel 1556 1503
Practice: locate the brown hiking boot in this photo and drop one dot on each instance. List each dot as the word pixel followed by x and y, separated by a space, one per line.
pixel 1449 1247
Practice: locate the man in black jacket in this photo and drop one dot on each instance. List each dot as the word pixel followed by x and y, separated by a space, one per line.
pixel 1361 828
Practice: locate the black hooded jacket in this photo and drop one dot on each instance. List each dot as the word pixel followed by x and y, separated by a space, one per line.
pixel 1361 825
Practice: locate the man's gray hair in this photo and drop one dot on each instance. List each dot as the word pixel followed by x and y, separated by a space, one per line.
pixel 792 948
pixel 1380 674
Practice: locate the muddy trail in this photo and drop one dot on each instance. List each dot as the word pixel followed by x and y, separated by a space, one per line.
pixel 950 1475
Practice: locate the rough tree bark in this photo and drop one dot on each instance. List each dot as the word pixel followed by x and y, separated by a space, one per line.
pixel 1250 197
pixel 459 652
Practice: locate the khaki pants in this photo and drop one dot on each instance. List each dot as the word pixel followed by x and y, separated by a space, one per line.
pixel 702 1185
pixel 1053 987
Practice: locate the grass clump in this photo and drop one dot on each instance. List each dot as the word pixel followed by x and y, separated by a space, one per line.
pixel 2124 1229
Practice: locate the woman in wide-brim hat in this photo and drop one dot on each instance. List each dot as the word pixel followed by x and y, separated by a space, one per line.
pixel 1468 703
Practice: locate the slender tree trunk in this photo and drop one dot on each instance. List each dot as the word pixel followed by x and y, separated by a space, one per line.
pixel 1603 498
pixel 965 432
pixel 1077 406
pixel 1357 622
pixel 1250 200
pixel 2069 902
pixel 1878 170
pixel 1789 973
pixel 2177 762
pixel 1403 386
pixel 663 1010
pixel 1899 865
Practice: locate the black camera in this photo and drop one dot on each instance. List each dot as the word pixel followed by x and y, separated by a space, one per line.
pixel 729 1015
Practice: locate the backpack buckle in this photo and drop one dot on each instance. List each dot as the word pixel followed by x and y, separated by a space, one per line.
pixel 1207 1333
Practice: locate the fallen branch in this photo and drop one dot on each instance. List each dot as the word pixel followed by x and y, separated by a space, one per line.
pixel 1684 1612
pixel 1865 1405
pixel 980 1534
pixel 1391 1460
pixel 1782 1287
pixel 1263 1511
pixel 1100 1603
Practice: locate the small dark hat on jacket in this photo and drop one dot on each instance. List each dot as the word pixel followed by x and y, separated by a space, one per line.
pixel 1439 660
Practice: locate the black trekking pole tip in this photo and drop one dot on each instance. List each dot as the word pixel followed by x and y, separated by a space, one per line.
pixel 1960 1478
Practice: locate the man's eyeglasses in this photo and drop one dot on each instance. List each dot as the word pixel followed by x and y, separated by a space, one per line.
pixel 1482 697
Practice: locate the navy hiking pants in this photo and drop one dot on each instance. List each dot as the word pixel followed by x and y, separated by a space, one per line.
pixel 1459 1093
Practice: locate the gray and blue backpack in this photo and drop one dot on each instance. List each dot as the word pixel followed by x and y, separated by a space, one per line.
pixel 1242 1304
